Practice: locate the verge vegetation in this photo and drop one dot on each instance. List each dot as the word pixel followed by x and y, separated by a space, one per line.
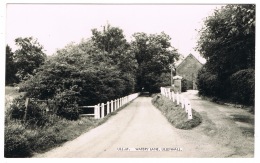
pixel 175 114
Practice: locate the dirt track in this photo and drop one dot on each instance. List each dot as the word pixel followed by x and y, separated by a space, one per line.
pixel 141 125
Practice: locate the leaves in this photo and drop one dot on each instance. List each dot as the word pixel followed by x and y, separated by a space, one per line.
pixel 227 41
pixel 154 54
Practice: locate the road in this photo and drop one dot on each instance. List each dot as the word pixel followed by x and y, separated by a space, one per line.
pixel 141 125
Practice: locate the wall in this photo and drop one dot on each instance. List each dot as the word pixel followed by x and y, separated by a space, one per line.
pixel 188 69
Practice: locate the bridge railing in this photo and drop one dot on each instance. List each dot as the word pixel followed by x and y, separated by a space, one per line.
pixel 103 109
pixel 178 99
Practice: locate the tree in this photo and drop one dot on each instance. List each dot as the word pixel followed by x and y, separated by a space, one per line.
pixel 28 57
pixel 114 50
pixel 227 41
pixel 11 70
pixel 154 54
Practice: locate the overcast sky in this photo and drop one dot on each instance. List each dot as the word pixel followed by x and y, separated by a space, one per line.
pixel 56 25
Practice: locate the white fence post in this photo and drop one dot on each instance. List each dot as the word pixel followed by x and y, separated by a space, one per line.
pixel 97 113
pixel 173 98
pixel 102 110
pixel 118 103
pixel 108 108
pixel 182 102
pixel 189 110
pixel 115 104
pixel 112 107
pixel 178 98
pixel 186 105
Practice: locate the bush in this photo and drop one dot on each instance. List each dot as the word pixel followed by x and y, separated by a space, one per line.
pixel 208 83
pixel 35 112
pixel 243 86
pixel 16 141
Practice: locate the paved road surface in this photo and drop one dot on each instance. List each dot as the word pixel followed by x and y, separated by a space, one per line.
pixel 141 125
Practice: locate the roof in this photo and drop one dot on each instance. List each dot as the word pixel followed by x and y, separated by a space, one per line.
pixel 179 62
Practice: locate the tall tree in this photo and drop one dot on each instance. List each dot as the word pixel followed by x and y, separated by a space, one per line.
pixel 154 54
pixel 227 41
pixel 11 70
pixel 28 57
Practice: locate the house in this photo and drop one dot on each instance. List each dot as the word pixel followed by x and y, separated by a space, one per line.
pixel 188 68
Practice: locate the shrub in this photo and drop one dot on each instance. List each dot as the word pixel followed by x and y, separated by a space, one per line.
pixel 208 83
pixel 66 103
pixel 243 86
pixel 16 140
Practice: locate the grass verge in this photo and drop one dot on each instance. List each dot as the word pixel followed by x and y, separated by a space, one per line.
pixel 23 140
pixel 175 114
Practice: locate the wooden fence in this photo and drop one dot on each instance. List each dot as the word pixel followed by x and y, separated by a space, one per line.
pixel 103 109
pixel 100 110
pixel 179 99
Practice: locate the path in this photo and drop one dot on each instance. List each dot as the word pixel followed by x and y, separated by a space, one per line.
pixel 141 125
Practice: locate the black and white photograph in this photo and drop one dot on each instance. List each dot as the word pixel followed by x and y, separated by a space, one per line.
pixel 129 80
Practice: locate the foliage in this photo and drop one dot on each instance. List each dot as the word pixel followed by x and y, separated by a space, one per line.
pixel 85 74
pixel 16 141
pixel 23 141
pixel 243 86
pixel 28 57
pixel 154 54
pixel 208 83
pixel 175 114
pixel 227 41
pixel 11 69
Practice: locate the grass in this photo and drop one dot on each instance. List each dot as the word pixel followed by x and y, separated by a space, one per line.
pixel 24 140
pixel 243 118
pixel 175 114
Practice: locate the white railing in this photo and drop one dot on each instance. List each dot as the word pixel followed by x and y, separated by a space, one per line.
pixel 179 99
pixel 103 109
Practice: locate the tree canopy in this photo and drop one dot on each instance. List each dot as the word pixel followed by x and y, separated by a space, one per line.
pixel 28 57
pixel 227 41
pixel 154 54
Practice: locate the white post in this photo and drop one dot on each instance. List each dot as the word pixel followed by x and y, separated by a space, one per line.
pixel 97 114
pixel 182 102
pixel 102 110
pixel 189 110
pixel 115 104
pixel 178 98
pixel 118 102
pixel 112 107
pixel 173 99
pixel 108 108
pixel 186 105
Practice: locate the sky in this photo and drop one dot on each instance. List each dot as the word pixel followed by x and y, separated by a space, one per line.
pixel 56 25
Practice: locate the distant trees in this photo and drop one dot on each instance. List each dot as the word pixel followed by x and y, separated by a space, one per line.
pixel 28 57
pixel 10 67
pixel 154 54
pixel 24 61
pixel 86 73
pixel 99 69
pixel 227 41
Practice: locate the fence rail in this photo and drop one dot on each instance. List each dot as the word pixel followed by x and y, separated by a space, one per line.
pixel 100 110
pixel 179 99
pixel 103 109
